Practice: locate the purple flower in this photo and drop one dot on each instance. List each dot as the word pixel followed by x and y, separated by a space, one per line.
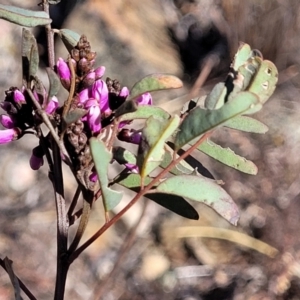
pixel 94 115
pixel 93 177
pixel 130 136
pixel 36 159
pixel 64 73
pixel 133 168
pixel 52 105
pixel 99 72
pixel 89 79
pixel 124 92
pixel 9 135
pixel 19 97
pixel 7 121
pixel 100 93
pixel 144 99
pixel 36 162
pixel 84 95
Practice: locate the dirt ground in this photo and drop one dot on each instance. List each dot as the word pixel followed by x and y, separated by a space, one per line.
pixel 169 257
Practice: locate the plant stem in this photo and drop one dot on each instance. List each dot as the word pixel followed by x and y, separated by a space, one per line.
pixel 142 192
pixel 62 226
pixel 62 265
pixel 50 38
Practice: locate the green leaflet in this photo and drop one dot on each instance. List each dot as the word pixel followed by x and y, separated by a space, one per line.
pixel 127 107
pixel 264 81
pixel 216 98
pixel 54 82
pixel 70 38
pixel 30 55
pixel 173 203
pixel 181 168
pixel 151 148
pixel 102 158
pixel 228 157
pixel 24 17
pixel 244 52
pixel 155 82
pixel 145 112
pixel 73 115
pixel 123 156
pixel 199 120
pixel 202 190
pixel 247 124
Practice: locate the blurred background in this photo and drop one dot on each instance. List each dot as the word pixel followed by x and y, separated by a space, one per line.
pixel 168 257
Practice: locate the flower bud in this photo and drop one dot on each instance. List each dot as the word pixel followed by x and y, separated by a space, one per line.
pixel 100 93
pixel 93 115
pixel 64 73
pixel 84 95
pixel 99 72
pixel 52 105
pixel 130 136
pixel 36 159
pixel 84 66
pixel 19 98
pixel 124 92
pixel 144 99
pixel 89 79
pixel 93 177
pixel 9 135
pixel 7 121
pixel 133 168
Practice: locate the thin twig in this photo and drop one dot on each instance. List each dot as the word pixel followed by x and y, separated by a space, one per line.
pixel 74 203
pixel 209 64
pixel 47 122
pixel 22 285
pixel 68 102
pixel 50 38
pixel 87 204
pixel 136 198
